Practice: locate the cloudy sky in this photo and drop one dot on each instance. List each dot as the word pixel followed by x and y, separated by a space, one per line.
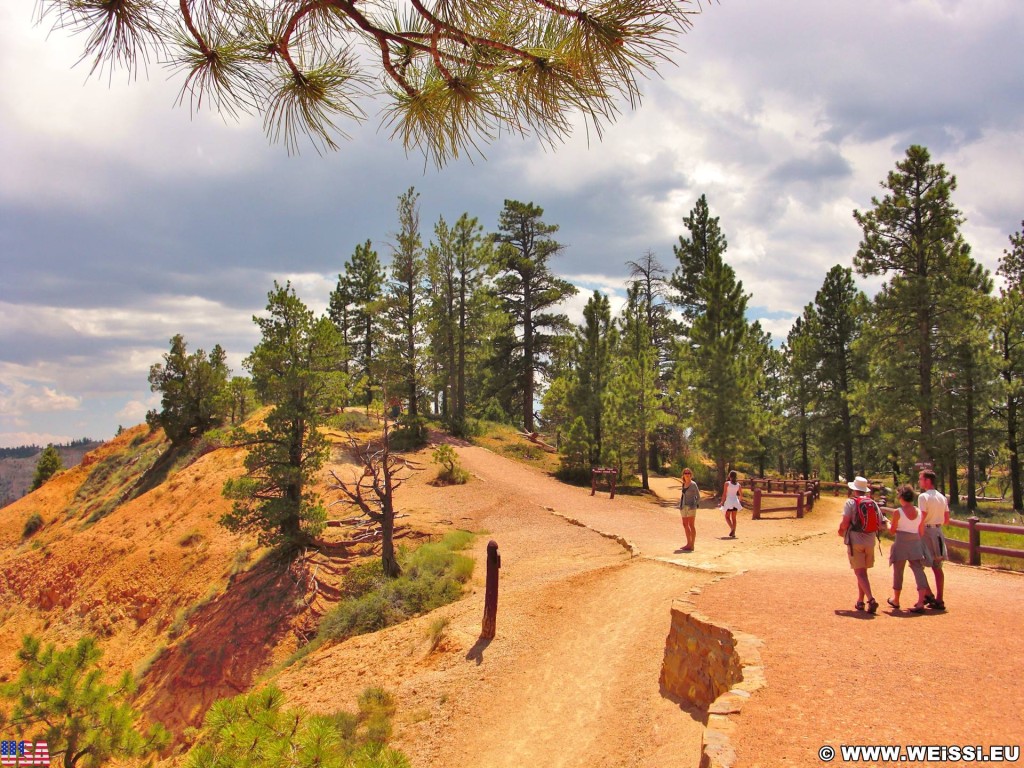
pixel 124 220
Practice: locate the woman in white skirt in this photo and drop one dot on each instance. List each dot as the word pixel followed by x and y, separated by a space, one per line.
pixel 731 502
pixel 908 527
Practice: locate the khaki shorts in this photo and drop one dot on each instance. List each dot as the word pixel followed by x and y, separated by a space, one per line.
pixel 688 512
pixel 861 556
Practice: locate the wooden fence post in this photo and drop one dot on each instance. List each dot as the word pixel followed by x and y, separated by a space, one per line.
pixel 491 592
pixel 974 536
pixel 800 505
pixel 593 481
pixel 757 503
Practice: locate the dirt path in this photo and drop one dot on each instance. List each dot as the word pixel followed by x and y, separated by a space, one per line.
pixel 572 677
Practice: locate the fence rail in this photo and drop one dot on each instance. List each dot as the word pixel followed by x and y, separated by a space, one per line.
pixel 975 549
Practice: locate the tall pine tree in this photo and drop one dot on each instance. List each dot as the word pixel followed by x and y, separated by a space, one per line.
pixel 1009 344
pixel 715 380
pixel 528 290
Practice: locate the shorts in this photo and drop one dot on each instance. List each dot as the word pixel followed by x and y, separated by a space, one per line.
pixel 688 512
pixel 934 545
pixel 861 556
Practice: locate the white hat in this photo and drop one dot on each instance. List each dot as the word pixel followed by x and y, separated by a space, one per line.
pixel 860 484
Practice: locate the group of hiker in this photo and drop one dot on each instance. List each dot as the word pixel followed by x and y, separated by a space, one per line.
pixel 917 530
pixel 919 541
pixel 690 500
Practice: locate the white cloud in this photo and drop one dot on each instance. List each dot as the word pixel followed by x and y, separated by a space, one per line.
pixel 134 411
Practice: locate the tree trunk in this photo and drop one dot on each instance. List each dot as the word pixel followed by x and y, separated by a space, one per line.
pixel 387 551
pixel 460 384
pixel 527 364
pixel 954 483
pixel 972 484
pixel 644 478
pixel 1012 428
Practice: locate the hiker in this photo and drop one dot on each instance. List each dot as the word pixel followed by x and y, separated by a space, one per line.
pixel 688 502
pixel 731 502
pixel 935 508
pixel 908 527
pixel 862 519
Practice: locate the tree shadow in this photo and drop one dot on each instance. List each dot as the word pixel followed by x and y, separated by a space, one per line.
pixel 227 641
pixel 697 714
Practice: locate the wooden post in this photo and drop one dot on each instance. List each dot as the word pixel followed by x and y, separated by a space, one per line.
pixel 799 505
pixel 491 592
pixel 612 477
pixel 757 503
pixel 593 481
pixel 975 540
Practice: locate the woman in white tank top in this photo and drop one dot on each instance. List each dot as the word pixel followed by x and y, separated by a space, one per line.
pixel 731 502
pixel 908 525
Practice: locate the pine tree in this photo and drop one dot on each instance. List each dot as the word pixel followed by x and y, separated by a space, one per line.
pixel 527 290
pixel 296 368
pixel 767 413
pixel 801 367
pixel 1009 344
pixel 59 697
pixel 632 409
pixel 193 389
pixel 48 465
pixel 715 381
pixel 835 326
pixel 450 76
pixel 406 302
pixel 364 286
pixel 593 367
pixel 575 449
pixel 697 255
pixel 912 235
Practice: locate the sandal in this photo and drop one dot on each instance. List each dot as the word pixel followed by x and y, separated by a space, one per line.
pixel 930 600
pixel 938 605
pixel 896 606
pixel 872 605
pixel 916 609
pixel 859 605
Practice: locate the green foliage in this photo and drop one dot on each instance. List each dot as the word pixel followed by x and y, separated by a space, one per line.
pixel 450 79
pixel 528 290
pixel 575 449
pixel 402 367
pixel 296 367
pixel 59 697
pixel 355 306
pixel 33 524
pixel 912 237
pixel 194 391
pixel 352 421
pixel 48 465
pixel 411 434
pixel 452 472
pixel 432 575
pixel 714 372
pixel 254 730
pixel 594 342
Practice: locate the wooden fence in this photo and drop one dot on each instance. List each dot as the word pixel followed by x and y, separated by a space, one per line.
pixel 804 500
pixel 783 485
pixel 975 549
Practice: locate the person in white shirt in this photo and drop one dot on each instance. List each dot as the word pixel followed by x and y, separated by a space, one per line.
pixel 935 508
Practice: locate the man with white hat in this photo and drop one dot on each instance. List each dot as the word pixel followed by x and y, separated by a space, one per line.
pixel 862 519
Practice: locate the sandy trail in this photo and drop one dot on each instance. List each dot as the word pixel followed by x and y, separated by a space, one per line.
pixel 572 677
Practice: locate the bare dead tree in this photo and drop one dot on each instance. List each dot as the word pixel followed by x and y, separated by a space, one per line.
pixel 372 492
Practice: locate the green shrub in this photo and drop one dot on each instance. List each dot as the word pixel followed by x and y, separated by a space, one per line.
pixel 432 575
pixel 255 730
pixel 352 421
pixel 33 524
pixel 452 472
pixel 412 433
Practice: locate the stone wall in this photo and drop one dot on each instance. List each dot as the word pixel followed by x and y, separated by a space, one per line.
pixel 714 669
